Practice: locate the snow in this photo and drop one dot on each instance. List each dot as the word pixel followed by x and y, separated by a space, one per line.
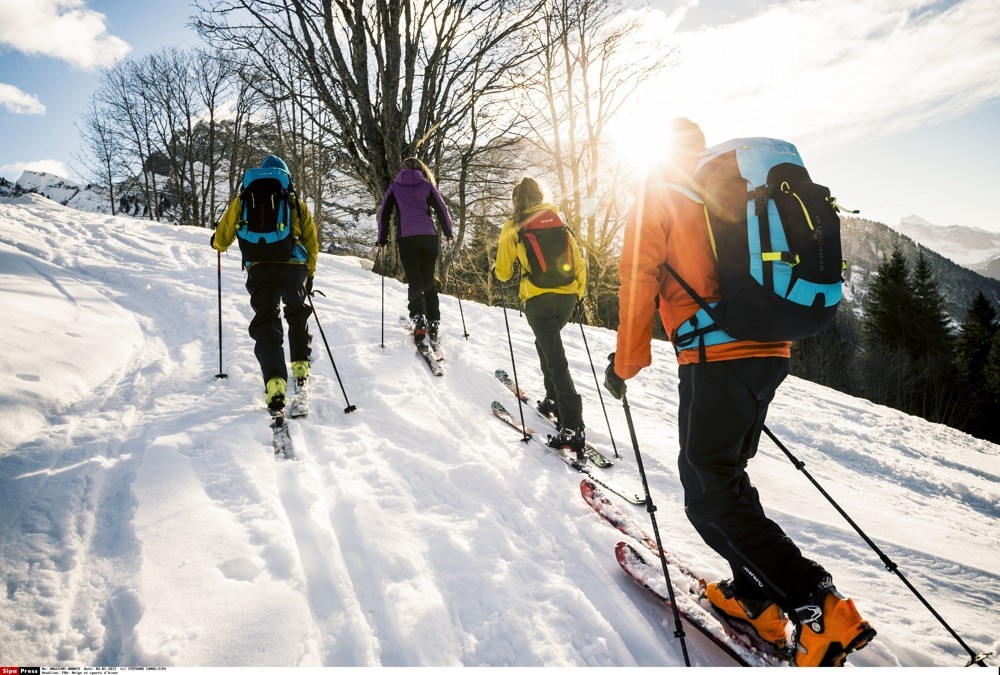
pixel 143 521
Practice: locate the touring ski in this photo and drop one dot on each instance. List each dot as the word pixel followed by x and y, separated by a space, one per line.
pixel 691 612
pixel 425 348
pixel 435 345
pixel 436 348
pixel 568 458
pixel 281 439
pixel 298 406
pixel 739 640
pixel 593 454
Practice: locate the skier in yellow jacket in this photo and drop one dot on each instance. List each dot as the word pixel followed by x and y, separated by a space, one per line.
pixel 548 308
pixel 278 271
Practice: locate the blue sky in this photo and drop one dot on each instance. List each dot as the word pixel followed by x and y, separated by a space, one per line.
pixel 894 104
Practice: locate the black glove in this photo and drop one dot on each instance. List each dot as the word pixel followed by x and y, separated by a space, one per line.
pixel 309 285
pixel 612 382
pixel 212 240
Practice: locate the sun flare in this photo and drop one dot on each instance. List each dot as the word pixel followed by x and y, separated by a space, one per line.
pixel 640 140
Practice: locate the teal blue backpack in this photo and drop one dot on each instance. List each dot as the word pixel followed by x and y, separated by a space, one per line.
pixel 776 237
pixel 265 228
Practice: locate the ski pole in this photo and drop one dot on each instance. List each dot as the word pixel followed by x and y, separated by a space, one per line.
pixel 513 363
pixel 220 374
pixel 889 564
pixel 651 509
pixel 579 316
pixel 381 264
pixel 465 333
pixel 349 408
pixel 458 294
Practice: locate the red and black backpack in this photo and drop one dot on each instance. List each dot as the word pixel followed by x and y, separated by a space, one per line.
pixel 549 250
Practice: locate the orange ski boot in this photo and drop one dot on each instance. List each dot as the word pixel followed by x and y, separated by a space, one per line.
pixel 764 616
pixel 828 628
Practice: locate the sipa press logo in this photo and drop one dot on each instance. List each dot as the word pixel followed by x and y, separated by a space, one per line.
pixel 18 670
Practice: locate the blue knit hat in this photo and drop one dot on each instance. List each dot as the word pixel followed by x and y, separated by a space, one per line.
pixel 274 162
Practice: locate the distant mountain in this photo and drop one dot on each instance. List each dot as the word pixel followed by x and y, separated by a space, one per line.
pixel 971 247
pixel 867 243
pixel 90 198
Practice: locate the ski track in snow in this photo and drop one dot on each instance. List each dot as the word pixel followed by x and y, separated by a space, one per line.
pixel 143 521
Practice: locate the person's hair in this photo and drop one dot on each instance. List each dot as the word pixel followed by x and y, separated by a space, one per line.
pixel 529 192
pixel 415 164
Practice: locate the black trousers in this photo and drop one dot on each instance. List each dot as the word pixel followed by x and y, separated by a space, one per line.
pixel 419 255
pixel 547 314
pixel 270 285
pixel 722 409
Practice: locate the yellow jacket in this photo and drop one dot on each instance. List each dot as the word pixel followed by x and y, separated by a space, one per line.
pixel 511 249
pixel 303 229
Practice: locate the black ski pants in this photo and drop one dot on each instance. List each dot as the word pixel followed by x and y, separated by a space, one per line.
pixel 270 285
pixel 722 409
pixel 419 254
pixel 547 314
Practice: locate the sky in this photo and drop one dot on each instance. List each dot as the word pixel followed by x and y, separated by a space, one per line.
pixel 894 105
pixel 144 522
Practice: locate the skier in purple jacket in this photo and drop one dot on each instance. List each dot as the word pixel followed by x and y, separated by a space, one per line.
pixel 415 197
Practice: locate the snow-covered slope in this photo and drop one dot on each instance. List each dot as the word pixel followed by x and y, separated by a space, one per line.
pixel 143 521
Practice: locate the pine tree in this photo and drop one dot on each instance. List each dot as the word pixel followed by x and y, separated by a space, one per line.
pixel 991 370
pixel 975 339
pixel 889 307
pixel 931 335
pixel 887 326
pixel 936 394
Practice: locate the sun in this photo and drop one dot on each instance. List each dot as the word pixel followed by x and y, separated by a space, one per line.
pixel 640 140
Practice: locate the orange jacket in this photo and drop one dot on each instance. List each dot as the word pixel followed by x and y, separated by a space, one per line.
pixel 665 225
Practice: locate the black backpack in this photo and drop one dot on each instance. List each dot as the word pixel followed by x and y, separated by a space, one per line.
pixel 265 229
pixel 547 245
pixel 776 237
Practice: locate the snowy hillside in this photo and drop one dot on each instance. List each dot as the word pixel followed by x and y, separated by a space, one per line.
pixel 971 247
pixel 143 521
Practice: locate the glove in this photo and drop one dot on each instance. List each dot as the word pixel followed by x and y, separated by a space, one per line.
pixel 380 243
pixel 211 241
pixel 309 285
pixel 612 382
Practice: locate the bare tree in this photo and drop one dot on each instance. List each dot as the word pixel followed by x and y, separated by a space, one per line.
pixel 126 113
pixel 591 69
pixel 101 155
pixel 391 78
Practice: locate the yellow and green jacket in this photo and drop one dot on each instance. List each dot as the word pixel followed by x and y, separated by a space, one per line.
pixel 511 249
pixel 303 229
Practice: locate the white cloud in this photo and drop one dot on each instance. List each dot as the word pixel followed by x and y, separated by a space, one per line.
pixel 19 102
pixel 826 71
pixel 14 170
pixel 64 29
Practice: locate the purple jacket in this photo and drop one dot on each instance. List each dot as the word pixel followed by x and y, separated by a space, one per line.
pixel 415 197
